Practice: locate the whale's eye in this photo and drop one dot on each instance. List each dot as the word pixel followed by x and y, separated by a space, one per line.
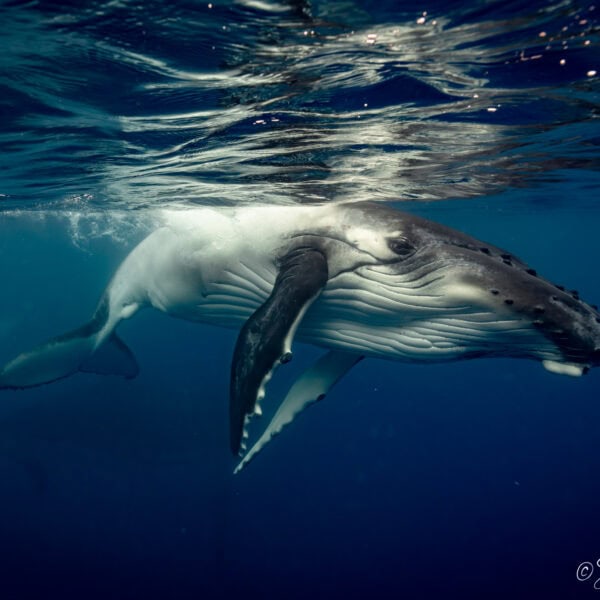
pixel 401 247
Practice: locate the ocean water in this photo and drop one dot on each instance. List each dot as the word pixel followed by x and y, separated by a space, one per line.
pixel 475 479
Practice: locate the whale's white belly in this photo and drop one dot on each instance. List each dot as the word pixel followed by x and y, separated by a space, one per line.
pixel 413 322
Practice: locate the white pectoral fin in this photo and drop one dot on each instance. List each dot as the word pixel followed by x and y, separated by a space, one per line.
pixel 309 388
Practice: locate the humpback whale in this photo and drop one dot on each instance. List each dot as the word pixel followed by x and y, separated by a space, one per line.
pixel 360 280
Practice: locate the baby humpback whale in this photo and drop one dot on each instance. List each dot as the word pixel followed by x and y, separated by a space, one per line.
pixel 357 279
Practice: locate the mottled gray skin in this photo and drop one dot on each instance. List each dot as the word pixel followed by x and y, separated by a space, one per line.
pixel 568 322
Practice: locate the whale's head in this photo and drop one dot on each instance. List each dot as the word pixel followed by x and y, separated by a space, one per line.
pixel 423 291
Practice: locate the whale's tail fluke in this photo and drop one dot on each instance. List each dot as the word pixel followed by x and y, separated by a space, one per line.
pixel 93 348
pixel 64 356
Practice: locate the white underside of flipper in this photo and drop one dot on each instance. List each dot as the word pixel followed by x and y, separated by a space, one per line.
pixel 310 387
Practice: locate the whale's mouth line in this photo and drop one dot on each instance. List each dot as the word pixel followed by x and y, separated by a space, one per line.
pixel 419 307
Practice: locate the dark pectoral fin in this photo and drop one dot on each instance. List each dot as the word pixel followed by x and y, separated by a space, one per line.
pixel 265 340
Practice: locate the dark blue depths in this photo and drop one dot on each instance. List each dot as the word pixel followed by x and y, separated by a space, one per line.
pixel 469 480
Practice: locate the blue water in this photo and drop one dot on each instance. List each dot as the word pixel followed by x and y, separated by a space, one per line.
pixel 466 480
